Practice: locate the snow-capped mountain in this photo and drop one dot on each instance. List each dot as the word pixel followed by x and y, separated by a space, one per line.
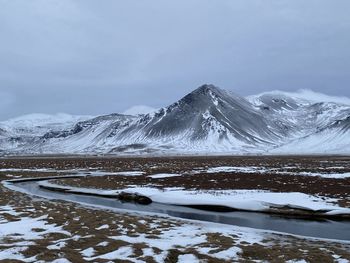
pixel 21 130
pixel 39 124
pixel 318 127
pixel 139 109
pixel 208 120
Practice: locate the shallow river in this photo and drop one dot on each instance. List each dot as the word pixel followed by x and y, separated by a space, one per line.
pixel 321 229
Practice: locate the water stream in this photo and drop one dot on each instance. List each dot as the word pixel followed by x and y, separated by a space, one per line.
pixel 305 227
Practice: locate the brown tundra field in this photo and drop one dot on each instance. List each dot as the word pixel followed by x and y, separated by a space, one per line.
pixel 38 229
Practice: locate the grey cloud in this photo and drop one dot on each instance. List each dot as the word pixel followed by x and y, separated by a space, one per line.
pixel 89 57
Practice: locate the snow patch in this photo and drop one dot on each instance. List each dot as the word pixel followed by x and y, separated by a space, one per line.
pixel 139 109
pixel 163 175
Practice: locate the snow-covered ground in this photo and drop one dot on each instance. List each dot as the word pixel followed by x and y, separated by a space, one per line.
pixel 163 175
pixel 251 200
pixel 184 235
pixel 262 170
pixel 220 169
pixel 81 172
pixel 25 231
pixel 189 237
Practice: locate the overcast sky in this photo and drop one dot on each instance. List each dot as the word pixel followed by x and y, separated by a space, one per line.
pixel 94 57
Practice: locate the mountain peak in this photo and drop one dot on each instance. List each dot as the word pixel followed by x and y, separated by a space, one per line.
pixel 208 95
pixel 203 96
pixel 207 89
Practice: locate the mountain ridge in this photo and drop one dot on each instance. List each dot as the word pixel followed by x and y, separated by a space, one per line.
pixel 207 120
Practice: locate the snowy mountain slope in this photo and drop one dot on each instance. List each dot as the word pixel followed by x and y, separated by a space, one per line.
pixel 326 141
pixel 302 117
pixel 333 138
pixel 305 96
pixel 139 109
pixel 24 130
pixel 39 124
pixel 38 119
pixel 208 111
pixel 84 136
pixel 207 120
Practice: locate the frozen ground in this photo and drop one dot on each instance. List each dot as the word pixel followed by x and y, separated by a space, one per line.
pixel 109 236
pixel 23 233
pixel 63 232
pixel 282 170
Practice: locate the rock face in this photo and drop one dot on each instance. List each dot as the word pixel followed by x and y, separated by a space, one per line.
pixel 208 120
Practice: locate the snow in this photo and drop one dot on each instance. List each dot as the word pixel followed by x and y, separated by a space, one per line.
pixel 139 109
pixel 60 260
pixel 127 173
pixel 48 170
pixel 252 200
pixel 73 172
pixel 102 227
pixel 40 119
pixel 105 173
pixel 264 170
pixel 89 252
pixel 8 210
pixel 229 253
pixel 102 244
pixel 306 95
pixel 339 259
pixel 188 235
pixel 248 200
pixel 23 232
pixel 328 141
pixel 323 175
pixel 290 128
pixel 163 175
pixel 14 253
pixel 234 169
pixel 111 193
pixel 194 236
pixel 122 253
pixel 23 229
pixel 188 258
pixel 57 246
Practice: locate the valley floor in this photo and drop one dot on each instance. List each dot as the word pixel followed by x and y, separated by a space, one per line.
pixel 39 230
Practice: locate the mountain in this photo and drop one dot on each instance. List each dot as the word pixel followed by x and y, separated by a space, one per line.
pixel 21 131
pixel 207 120
pixel 318 127
pixel 39 124
pixel 138 110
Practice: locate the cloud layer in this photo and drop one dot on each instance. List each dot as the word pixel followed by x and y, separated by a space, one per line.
pixel 88 57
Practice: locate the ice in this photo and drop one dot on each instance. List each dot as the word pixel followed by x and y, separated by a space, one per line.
pixel 163 175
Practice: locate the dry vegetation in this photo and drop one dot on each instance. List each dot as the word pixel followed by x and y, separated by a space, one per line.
pixel 83 223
